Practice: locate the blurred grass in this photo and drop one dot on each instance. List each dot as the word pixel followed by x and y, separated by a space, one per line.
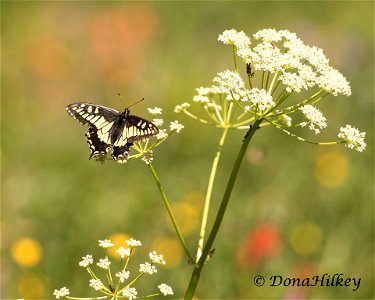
pixel 56 53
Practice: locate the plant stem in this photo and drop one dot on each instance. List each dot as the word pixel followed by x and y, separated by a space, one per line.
pixel 173 219
pixel 209 192
pixel 219 217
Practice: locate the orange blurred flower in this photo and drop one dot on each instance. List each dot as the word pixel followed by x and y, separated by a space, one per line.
pixel 119 39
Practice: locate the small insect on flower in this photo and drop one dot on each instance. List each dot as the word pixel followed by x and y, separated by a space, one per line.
pixel 112 130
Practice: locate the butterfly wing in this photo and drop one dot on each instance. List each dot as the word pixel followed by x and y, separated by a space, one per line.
pixel 99 117
pixel 135 129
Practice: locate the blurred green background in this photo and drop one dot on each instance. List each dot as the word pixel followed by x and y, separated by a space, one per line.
pixel 296 210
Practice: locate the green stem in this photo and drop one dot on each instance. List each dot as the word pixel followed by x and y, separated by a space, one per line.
pixel 235 58
pixel 209 193
pixel 219 217
pixel 173 219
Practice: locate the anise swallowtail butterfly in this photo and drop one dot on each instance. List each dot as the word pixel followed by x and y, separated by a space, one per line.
pixel 110 129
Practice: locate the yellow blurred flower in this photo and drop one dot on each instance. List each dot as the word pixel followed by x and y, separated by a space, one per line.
pixel 171 249
pixel 331 169
pixel 26 252
pixel 31 287
pixel 306 238
pixel 118 240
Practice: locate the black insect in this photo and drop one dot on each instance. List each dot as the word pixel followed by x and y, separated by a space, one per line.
pixel 249 70
pixel 110 129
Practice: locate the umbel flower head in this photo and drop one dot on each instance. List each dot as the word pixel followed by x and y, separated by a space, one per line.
pixel 279 66
pixel 122 285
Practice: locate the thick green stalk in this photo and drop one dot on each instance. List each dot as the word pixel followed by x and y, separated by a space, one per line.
pixel 219 217
pixel 169 209
pixel 209 192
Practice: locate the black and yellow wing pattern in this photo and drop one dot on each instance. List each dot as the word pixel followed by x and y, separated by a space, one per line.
pixel 111 130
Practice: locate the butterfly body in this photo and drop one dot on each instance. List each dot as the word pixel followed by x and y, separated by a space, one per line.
pixel 111 129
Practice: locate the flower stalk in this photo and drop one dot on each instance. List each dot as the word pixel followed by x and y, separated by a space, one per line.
pixel 170 212
pixel 220 215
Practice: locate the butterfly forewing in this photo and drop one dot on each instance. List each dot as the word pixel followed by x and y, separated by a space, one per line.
pixel 92 114
pixel 136 129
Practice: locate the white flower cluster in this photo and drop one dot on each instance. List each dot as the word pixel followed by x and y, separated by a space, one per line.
pixel 353 137
pixel 259 98
pixel 316 120
pixel 300 66
pixel 115 289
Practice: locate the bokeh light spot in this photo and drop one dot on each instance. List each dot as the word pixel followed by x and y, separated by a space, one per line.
pixel 31 287
pixel 331 169
pixel 26 252
pixel 118 240
pixel 306 238
pixel 171 250
pixel 263 240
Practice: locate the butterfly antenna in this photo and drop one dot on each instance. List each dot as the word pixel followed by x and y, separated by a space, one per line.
pixel 135 103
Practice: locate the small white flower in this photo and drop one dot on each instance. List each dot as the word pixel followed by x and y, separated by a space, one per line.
pixel 105 243
pixel 268 35
pixel 133 243
pixel 293 82
pixel 181 107
pixel 123 252
pixel 147 157
pixel 104 263
pixel 162 134
pixel 155 110
pixel 130 293
pixel 147 268
pixel 261 98
pixel 316 119
pixel 333 82
pixel 228 81
pixel 176 126
pixel 157 258
pixel 354 138
pixel 287 120
pixel 96 284
pixel 158 122
pixel 165 289
pixel 233 37
pixel 123 275
pixel 61 292
pixel 86 261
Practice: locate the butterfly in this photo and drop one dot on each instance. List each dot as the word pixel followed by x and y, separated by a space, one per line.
pixel 111 130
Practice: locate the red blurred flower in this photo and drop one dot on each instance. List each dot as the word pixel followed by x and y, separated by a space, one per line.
pixel 262 241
